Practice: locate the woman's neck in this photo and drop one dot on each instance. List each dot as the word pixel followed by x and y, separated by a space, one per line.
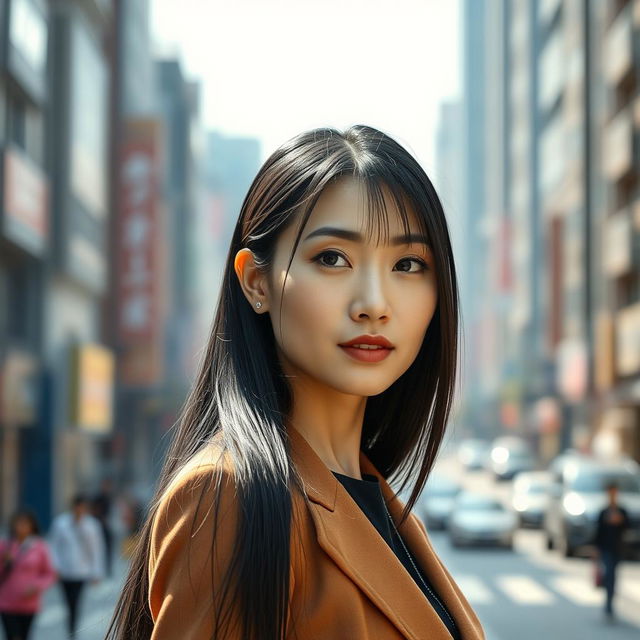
pixel 332 425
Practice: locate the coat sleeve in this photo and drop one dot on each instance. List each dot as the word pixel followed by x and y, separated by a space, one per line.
pixel 186 569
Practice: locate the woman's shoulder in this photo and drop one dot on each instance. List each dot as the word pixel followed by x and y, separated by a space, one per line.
pixel 211 460
pixel 198 505
pixel 207 477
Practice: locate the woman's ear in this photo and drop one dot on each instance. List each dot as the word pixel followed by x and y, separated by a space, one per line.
pixel 252 280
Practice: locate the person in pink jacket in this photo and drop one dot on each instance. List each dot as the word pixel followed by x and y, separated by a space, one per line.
pixel 26 571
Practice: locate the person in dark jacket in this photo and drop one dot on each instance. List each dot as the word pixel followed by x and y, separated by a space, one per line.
pixel 612 522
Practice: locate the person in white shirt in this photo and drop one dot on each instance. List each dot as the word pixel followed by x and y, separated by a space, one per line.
pixel 77 549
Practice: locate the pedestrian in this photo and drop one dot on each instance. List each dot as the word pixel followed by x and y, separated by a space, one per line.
pixel 613 520
pixel 101 509
pixel 77 546
pixel 330 369
pixel 26 571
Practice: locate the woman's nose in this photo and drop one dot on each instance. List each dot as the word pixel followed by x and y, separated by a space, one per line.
pixel 370 299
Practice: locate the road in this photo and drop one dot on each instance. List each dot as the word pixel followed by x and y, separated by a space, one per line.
pixel 95 611
pixel 525 594
pixel 531 593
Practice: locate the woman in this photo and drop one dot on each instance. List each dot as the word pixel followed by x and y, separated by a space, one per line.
pixel 25 572
pixel 330 368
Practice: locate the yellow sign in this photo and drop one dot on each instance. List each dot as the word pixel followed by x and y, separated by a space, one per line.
pixel 92 388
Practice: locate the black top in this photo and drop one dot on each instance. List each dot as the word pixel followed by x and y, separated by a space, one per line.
pixel 610 530
pixel 368 496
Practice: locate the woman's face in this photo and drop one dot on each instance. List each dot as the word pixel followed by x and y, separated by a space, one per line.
pixel 338 289
pixel 22 527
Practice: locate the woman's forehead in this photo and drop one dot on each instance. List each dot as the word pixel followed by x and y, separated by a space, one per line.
pixel 344 204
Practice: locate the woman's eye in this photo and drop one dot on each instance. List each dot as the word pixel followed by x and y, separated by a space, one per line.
pixel 421 264
pixel 333 257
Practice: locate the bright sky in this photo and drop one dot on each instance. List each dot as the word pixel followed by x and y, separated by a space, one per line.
pixel 273 68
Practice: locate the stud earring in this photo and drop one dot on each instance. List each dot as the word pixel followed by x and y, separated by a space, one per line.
pixel 258 304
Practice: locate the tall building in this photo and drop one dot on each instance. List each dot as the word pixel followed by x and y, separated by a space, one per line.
pixel 613 170
pixel 26 235
pixel 232 164
pixel 449 185
pixel 135 309
pixel 81 365
pixel 559 234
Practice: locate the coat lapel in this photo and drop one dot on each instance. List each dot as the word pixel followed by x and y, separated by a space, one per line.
pixel 348 537
pixel 445 587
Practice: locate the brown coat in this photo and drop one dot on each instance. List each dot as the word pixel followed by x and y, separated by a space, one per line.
pixel 346 583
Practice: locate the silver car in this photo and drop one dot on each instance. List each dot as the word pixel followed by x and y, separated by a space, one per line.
pixel 530 496
pixel 509 456
pixel 474 454
pixel 577 500
pixel 437 501
pixel 481 519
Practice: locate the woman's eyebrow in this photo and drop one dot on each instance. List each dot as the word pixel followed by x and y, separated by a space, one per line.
pixel 354 236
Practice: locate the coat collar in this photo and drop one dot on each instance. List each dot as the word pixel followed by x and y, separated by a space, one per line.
pixel 347 536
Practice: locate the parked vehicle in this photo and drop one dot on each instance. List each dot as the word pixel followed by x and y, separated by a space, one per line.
pixel 474 454
pixel 530 496
pixel 481 519
pixel 579 496
pixel 558 464
pixel 439 495
pixel 509 456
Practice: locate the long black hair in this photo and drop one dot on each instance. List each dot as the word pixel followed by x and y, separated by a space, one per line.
pixel 24 513
pixel 241 394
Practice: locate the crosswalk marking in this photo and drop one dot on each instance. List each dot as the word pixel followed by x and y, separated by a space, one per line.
pixel 524 590
pixel 578 590
pixel 475 590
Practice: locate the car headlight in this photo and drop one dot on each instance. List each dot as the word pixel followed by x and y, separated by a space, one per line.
pixel 500 455
pixel 573 504
pixel 520 503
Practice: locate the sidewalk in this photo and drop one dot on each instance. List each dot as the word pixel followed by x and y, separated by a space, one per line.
pixel 96 609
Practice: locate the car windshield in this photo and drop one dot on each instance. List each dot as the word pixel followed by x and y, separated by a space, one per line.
pixel 596 481
pixel 474 446
pixel 479 503
pixel 537 488
pixel 519 455
pixel 442 487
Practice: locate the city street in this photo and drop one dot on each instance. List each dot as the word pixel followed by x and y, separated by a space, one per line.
pixel 530 591
pixel 523 593
pixel 96 609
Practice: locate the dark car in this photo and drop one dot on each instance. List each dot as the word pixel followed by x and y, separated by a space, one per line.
pixel 578 497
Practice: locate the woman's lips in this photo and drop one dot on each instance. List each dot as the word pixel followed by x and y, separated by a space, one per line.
pixel 366 355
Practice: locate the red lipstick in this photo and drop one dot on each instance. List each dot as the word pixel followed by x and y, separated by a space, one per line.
pixel 364 354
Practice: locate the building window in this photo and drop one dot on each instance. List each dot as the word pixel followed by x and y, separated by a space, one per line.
pixel 3 112
pixel 17 125
pixel 26 127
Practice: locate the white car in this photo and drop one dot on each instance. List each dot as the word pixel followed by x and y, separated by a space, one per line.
pixel 509 456
pixel 530 496
pixel 474 454
pixel 481 519
pixel 437 500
